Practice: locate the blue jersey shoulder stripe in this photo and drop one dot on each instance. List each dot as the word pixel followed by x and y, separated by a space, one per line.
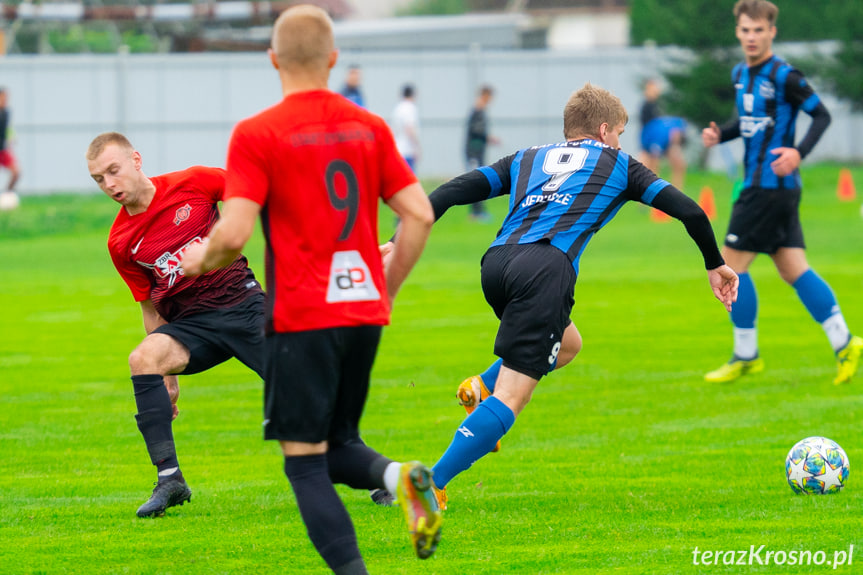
pixel 811 103
pixel 493 180
pixel 651 191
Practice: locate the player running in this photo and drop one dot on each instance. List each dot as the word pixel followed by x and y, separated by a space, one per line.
pixel 192 324
pixel 315 167
pixel 560 196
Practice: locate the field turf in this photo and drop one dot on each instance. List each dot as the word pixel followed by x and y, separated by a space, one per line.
pixel 624 462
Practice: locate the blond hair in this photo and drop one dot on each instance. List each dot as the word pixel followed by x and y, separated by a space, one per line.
pixel 590 107
pixel 100 142
pixel 303 38
pixel 756 9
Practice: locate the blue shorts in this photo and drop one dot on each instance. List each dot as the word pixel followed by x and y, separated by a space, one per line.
pixel 656 134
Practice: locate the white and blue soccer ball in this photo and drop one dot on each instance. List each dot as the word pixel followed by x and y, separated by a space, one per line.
pixel 817 465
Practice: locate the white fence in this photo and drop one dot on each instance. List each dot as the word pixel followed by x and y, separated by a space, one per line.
pixel 179 110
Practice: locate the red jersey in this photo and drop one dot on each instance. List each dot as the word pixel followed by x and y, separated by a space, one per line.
pixel 147 248
pixel 318 165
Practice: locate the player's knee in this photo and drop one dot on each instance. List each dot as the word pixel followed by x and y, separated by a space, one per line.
pixel 139 361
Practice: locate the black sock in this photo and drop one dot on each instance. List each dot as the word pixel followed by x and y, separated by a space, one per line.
pixel 327 521
pixel 154 419
pixel 357 465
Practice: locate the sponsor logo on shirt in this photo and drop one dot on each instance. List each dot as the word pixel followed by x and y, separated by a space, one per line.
pixel 350 279
pixel 767 90
pixel 562 199
pixel 182 214
pixel 751 125
pixel 170 265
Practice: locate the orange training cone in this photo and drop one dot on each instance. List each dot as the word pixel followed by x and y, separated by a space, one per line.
pixel 659 215
pixel 845 191
pixel 707 202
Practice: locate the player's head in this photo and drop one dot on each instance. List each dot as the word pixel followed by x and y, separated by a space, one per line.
pixel 652 89
pixel 303 42
pixel 756 28
pixel 354 77
pixel 756 10
pixel 408 91
pixel 593 112
pixel 115 166
pixel 484 96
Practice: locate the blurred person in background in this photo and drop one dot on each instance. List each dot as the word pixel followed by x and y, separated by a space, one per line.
pixel 406 126
pixel 765 218
pixel 476 140
pixel 352 90
pixel 9 198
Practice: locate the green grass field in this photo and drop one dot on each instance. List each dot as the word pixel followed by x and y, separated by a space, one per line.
pixel 625 461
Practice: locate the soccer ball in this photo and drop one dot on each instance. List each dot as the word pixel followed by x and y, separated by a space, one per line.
pixel 8 201
pixel 816 465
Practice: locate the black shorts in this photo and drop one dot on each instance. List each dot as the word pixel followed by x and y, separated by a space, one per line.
pixel 764 220
pixel 316 383
pixel 218 335
pixel 530 288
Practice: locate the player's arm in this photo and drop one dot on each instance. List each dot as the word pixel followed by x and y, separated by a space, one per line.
pixel 152 319
pixel 226 239
pixel 469 188
pixel 800 94
pixel 413 209
pixel 716 134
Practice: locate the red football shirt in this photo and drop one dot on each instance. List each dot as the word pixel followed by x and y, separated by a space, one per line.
pixel 318 165
pixel 147 248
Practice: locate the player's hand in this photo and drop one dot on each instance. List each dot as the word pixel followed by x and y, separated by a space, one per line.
pixel 786 163
pixel 724 283
pixel 386 253
pixel 710 135
pixel 193 258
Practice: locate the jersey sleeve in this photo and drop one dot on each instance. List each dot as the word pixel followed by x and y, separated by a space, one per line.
pixel 247 175
pixel 799 93
pixel 643 184
pixel 396 175
pixel 499 176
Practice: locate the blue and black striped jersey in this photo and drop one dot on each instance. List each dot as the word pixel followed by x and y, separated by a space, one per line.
pixel 769 96
pixel 566 192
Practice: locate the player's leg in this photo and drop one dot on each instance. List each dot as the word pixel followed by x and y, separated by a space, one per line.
pixel 744 316
pixel 475 389
pixel 820 302
pixel 485 426
pixel 301 386
pixel 314 393
pixel 529 340
pixel 677 159
pixel 157 355
pixel 14 175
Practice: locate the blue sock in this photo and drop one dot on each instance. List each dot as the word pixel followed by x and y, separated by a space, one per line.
pixel 489 376
pixel 478 434
pixel 816 295
pixel 745 309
